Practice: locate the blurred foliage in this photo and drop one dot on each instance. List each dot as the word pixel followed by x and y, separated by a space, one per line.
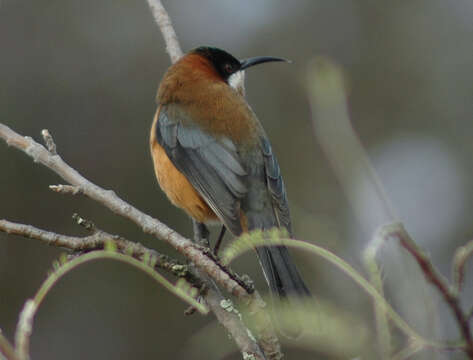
pixel 88 72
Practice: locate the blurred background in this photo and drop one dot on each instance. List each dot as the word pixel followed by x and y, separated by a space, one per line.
pixel 88 71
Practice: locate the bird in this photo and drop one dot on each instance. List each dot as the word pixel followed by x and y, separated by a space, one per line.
pixel 213 159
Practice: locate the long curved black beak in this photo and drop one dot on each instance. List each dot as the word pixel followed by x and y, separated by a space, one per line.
pixel 246 63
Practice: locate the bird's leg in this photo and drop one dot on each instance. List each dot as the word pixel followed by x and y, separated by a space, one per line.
pixel 201 233
pixel 201 237
pixel 219 240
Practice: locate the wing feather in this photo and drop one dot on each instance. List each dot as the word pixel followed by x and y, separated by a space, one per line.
pixel 211 165
pixel 276 187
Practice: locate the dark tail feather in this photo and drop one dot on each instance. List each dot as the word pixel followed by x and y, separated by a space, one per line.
pixel 287 286
pixel 281 273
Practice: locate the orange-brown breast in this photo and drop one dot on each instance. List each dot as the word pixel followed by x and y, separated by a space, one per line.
pixel 175 185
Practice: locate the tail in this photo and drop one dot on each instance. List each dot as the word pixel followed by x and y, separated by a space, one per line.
pixel 279 270
pixel 281 273
pixel 265 207
pixel 286 286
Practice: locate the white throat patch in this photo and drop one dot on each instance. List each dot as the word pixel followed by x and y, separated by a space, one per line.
pixel 237 81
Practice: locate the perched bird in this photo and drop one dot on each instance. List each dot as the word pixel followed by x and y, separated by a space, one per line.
pixel 213 159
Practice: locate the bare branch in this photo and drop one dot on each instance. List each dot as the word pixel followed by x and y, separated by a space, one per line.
pixel 264 328
pixel 165 25
pixel 436 279
pixel 149 225
pixel 231 320
pixel 200 257
pixel 350 161
pixel 229 317
pixel 109 199
pixel 97 241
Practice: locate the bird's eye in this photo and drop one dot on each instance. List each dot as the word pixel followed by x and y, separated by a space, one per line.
pixel 228 68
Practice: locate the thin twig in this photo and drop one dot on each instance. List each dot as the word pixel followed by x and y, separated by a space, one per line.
pixel 165 25
pixel 97 241
pixel 350 161
pixel 182 289
pixel 149 225
pixel 24 329
pixel 436 279
pixel 6 349
pixel 375 278
pixel 397 231
pixel 406 353
pixel 110 200
pixel 462 254
pixel 231 319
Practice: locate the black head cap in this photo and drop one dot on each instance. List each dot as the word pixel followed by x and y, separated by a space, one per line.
pixel 226 64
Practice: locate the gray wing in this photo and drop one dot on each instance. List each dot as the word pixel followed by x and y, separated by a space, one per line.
pixel 211 165
pixel 276 186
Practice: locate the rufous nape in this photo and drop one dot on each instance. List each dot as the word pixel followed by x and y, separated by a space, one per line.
pixel 213 159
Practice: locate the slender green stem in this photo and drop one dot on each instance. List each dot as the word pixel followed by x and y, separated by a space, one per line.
pixel 382 325
pixel 462 254
pixel 408 351
pixel 6 349
pixel 25 324
pixel 247 242
pixel 99 255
